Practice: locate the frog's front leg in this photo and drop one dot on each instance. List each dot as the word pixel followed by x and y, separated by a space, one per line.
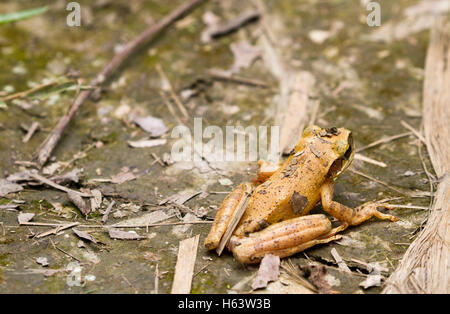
pixel 266 170
pixel 282 239
pixel 347 215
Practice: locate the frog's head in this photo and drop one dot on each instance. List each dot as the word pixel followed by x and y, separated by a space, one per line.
pixel 341 143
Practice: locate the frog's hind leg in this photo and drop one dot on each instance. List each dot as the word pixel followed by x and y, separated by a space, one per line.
pixel 282 239
pixel 225 214
pixel 347 215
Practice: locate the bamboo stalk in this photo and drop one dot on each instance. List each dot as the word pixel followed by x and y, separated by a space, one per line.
pixel 425 266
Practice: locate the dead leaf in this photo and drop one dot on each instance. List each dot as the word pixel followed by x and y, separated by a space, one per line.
pixel 244 55
pixel 123 235
pixel 43 261
pixel 146 219
pixel 7 187
pixel 154 126
pixel 84 235
pixel 19 176
pixel 24 217
pixel 269 270
pixel 371 281
pixel 71 176
pixel 78 201
pixel 96 200
pixel 124 176
pixel 179 198
pixel 316 274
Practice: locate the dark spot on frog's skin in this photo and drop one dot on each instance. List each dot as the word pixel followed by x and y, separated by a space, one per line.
pixel 298 202
pixel 325 164
pixel 263 192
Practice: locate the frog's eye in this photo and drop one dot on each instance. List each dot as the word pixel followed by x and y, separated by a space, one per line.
pixel 341 147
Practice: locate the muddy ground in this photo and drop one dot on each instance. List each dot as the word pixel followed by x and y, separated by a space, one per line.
pixel 368 86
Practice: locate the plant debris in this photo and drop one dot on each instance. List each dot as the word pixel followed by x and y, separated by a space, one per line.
pixel 78 201
pixel 145 143
pixel 84 235
pixel 25 217
pixel 123 176
pixel 316 274
pixel 268 271
pixel 43 261
pixel 123 235
pixel 7 187
pixel 154 126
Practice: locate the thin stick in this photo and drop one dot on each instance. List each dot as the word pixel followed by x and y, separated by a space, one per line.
pixel 170 107
pixel 414 131
pixel 221 76
pixel 33 128
pixel 24 94
pixel 61 250
pixel 108 210
pixel 55 185
pixel 157 159
pixel 235 24
pixel 377 181
pixel 235 219
pixel 315 110
pixel 174 96
pixel 45 224
pixel 156 278
pixel 383 140
pixel 407 206
pixel 57 229
pixel 118 60
pixel 370 160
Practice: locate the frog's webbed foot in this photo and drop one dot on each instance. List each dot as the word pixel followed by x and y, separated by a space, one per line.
pixel 282 239
pixel 347 215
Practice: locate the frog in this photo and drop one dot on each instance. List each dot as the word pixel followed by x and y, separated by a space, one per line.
pixel 276 217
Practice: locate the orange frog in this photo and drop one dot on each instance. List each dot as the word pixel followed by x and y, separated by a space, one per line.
pixel 276 216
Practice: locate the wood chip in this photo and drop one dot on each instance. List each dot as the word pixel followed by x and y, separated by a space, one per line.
pixel 184 269
pixel 123 176
pixel 43 261
pixel 268 271
pixel 154 126
pixel 244 55
pixel 24 217
pixel 341 263
pixel 147 143
pixel 123 235
pixel 7 187
pixel 84 235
